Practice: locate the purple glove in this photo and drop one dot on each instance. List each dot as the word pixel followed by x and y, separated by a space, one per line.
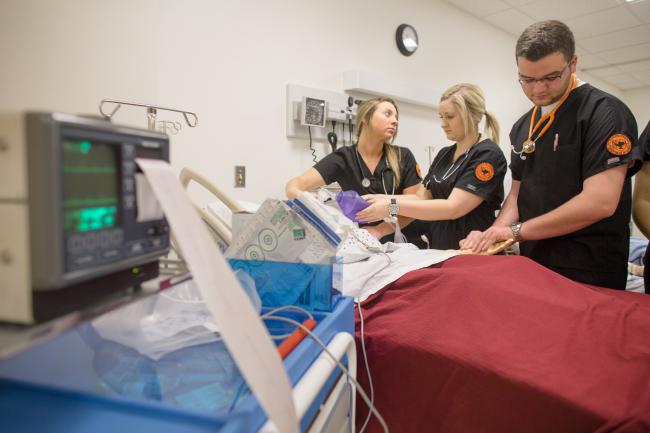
pixel 351 203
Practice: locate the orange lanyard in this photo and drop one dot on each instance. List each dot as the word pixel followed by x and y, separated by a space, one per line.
pixel 550 116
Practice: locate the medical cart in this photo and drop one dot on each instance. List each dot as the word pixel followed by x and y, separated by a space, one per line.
pixel 66 375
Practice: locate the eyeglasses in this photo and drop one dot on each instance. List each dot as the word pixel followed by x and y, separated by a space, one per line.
pixel 549 79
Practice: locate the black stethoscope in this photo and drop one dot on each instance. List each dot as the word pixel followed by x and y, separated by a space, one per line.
pixel 365 182
pixel 453 168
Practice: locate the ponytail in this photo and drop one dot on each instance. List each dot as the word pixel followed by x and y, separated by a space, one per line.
pixel 491 127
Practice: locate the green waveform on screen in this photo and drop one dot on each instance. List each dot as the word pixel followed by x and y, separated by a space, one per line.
pixel 87 219
pixel 82 147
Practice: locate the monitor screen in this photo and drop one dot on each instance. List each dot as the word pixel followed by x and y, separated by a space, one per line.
pixel 91 185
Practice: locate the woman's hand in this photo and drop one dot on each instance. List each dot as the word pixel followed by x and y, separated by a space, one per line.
pixel 371 198
pixel 377 211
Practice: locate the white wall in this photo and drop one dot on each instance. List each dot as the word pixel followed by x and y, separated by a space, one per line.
pixel 67 55
pixel 230 62
pixel 312 45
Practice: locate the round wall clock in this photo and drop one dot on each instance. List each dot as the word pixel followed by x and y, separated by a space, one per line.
pixel 407 39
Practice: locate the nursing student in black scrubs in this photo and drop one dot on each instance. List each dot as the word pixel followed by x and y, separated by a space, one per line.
pixel 464 186
pixel 572 158
pixel 641 198
pixel 373 166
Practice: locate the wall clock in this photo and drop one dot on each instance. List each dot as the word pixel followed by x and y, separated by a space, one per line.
pixel 407 39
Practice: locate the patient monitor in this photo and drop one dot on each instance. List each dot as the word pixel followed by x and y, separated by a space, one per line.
pixel 77 220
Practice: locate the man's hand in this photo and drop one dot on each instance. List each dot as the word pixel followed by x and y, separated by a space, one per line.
pixel 495 248
pixel 478 241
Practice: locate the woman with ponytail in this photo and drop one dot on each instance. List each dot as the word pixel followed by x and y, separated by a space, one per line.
pixel 464 186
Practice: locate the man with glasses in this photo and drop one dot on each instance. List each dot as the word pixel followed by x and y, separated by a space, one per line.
pixel 570 201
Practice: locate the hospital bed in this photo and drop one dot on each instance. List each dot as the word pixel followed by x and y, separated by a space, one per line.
pixel 500 343
pixel 217 216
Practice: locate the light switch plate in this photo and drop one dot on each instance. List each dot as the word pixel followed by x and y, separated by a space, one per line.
pixel 240 176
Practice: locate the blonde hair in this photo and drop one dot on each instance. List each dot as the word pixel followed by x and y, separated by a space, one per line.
pixel 364 113
pixel 470 102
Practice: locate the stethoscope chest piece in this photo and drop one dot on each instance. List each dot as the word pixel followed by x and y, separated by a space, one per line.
pixel 528 146
pixel 365 182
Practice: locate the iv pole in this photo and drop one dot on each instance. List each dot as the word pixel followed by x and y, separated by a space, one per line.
pixel 191 119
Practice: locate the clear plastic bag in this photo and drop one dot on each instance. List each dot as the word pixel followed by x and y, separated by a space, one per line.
pixel 177 318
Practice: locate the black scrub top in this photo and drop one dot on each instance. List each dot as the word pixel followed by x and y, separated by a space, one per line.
pixel 593 131
pixel 644 155
pixel 644 144
pixel 345 167
pixel 342 166
pixel 480 172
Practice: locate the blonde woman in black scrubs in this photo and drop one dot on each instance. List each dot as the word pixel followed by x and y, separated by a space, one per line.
pixel 464 186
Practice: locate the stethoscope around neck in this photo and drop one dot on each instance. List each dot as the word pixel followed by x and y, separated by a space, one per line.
pixel 453 167
pixel 365 182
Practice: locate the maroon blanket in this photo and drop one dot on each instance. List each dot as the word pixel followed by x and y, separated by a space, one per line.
pixel 501 344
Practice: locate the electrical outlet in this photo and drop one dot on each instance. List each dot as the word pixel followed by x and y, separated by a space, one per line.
pixel 240 176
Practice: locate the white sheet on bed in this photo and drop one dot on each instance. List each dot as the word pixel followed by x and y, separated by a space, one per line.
pixel 369 266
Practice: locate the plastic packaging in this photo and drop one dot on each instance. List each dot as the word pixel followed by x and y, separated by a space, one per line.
pixel 176 319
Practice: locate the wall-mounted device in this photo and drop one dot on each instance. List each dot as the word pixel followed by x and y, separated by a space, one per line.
pixel 309 107
pixel 313 112
pixel 77 220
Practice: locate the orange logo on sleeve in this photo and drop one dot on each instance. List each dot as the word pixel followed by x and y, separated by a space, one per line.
pixel 619 144
pixel 484 171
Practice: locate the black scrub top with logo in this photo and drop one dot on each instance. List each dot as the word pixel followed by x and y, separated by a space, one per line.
pixel 342 166
pixel 481 173
pixel 644 155
pixel 595 132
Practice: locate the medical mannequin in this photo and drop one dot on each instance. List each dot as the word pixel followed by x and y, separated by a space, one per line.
pixel 373 165
pixel 641 199
pixel 464 186
pixel 572 158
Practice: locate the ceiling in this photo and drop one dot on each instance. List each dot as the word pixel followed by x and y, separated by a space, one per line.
pixel 612 36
